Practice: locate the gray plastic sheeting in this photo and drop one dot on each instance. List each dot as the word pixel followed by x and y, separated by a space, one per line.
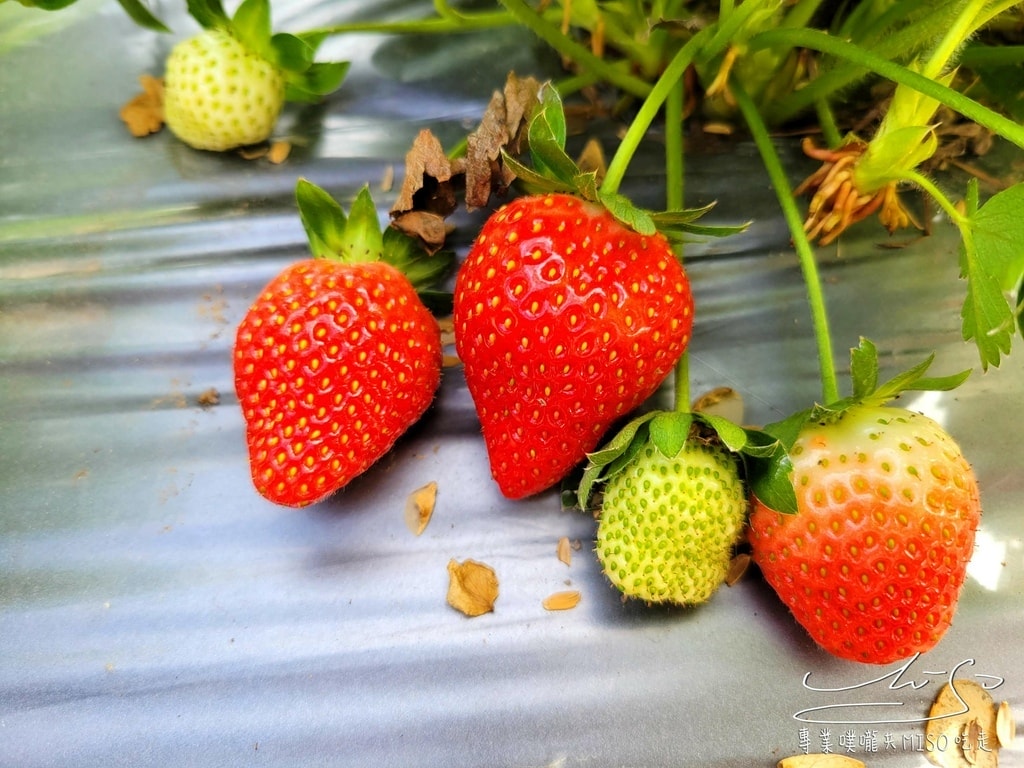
pixel 155 611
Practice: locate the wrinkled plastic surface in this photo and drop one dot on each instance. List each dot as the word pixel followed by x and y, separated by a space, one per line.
pixel 154 611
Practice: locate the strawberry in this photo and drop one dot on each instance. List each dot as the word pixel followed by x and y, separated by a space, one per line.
pixel 668 523
pixel 218 95
pixel 886 508
pixel 565 320
pixel 226 86
pixel 336 358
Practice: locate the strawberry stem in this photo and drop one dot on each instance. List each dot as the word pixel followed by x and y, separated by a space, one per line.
pixel 580 54
pixel 649 110
pixel 675 187
pixel 824 43
pixel 802 245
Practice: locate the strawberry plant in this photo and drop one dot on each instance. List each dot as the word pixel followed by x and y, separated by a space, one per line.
pixel 338 356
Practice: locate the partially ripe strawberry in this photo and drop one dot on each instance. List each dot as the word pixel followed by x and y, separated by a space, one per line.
pixel 873 561
pixel 219 95
pixel 668 524
pixel 565 321
pixel 333 362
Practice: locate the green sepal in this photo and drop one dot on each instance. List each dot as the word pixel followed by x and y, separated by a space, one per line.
pixel 47 5
pixel 357 237
pixel 142 16
pixel 534 182
pixel 252 28
pixel 210 14
pixel 322 218
pixel 318 80
pixel 769 468
pixel 421 268
pixel 622 208
pixel 668 431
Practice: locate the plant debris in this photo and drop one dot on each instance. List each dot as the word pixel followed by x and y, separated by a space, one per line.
pixel 419 507
pixel 429 191
pixel 564 550
pixel 562 601
pixel 827 760
pixel 472 587
pixel 144 113
pixel 962 729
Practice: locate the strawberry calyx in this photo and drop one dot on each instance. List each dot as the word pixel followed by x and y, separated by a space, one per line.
pixel 358 237
pixel 769 474
pixel 668 431
pixel 305 79
pixel 553 170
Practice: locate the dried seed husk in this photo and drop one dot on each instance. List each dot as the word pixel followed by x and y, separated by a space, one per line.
pixel 737 567
pixel 955 738
pixel 721 401
pixel 562 601
pixel 1006 726
pixel 419 507
pixel 828 760
pixel 564 550
pixel 472 587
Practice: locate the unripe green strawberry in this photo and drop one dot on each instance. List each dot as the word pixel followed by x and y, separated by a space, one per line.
pixel 668 525
pixel 219 95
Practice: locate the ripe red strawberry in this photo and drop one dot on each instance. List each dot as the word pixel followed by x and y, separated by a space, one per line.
pixel 872 563
pixel 333 361
pixel 565 320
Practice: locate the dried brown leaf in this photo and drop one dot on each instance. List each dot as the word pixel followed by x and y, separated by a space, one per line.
pixel 562 601
pixel 472 587
pixel 419 507
pixel 144 113
pixel 500 128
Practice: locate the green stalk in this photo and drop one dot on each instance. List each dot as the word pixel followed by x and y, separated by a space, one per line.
pixel 920 180
pixel 569 48
pixel 648 111
pixel 441 25
pixel 967 22
pixel 674 198
pixel 805 253
pixel 824 43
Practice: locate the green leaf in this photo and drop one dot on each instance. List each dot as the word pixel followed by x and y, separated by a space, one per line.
pixel 622 208
pixel 209 13
pixel 547 153
pixel 551 108
pixel 669 431
pixel 251 25
pixel 987 319
pixel 322 218
pixel 534 182
pixel 142 16
pixel 998 230
pixel 864 368
pixel 317 81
